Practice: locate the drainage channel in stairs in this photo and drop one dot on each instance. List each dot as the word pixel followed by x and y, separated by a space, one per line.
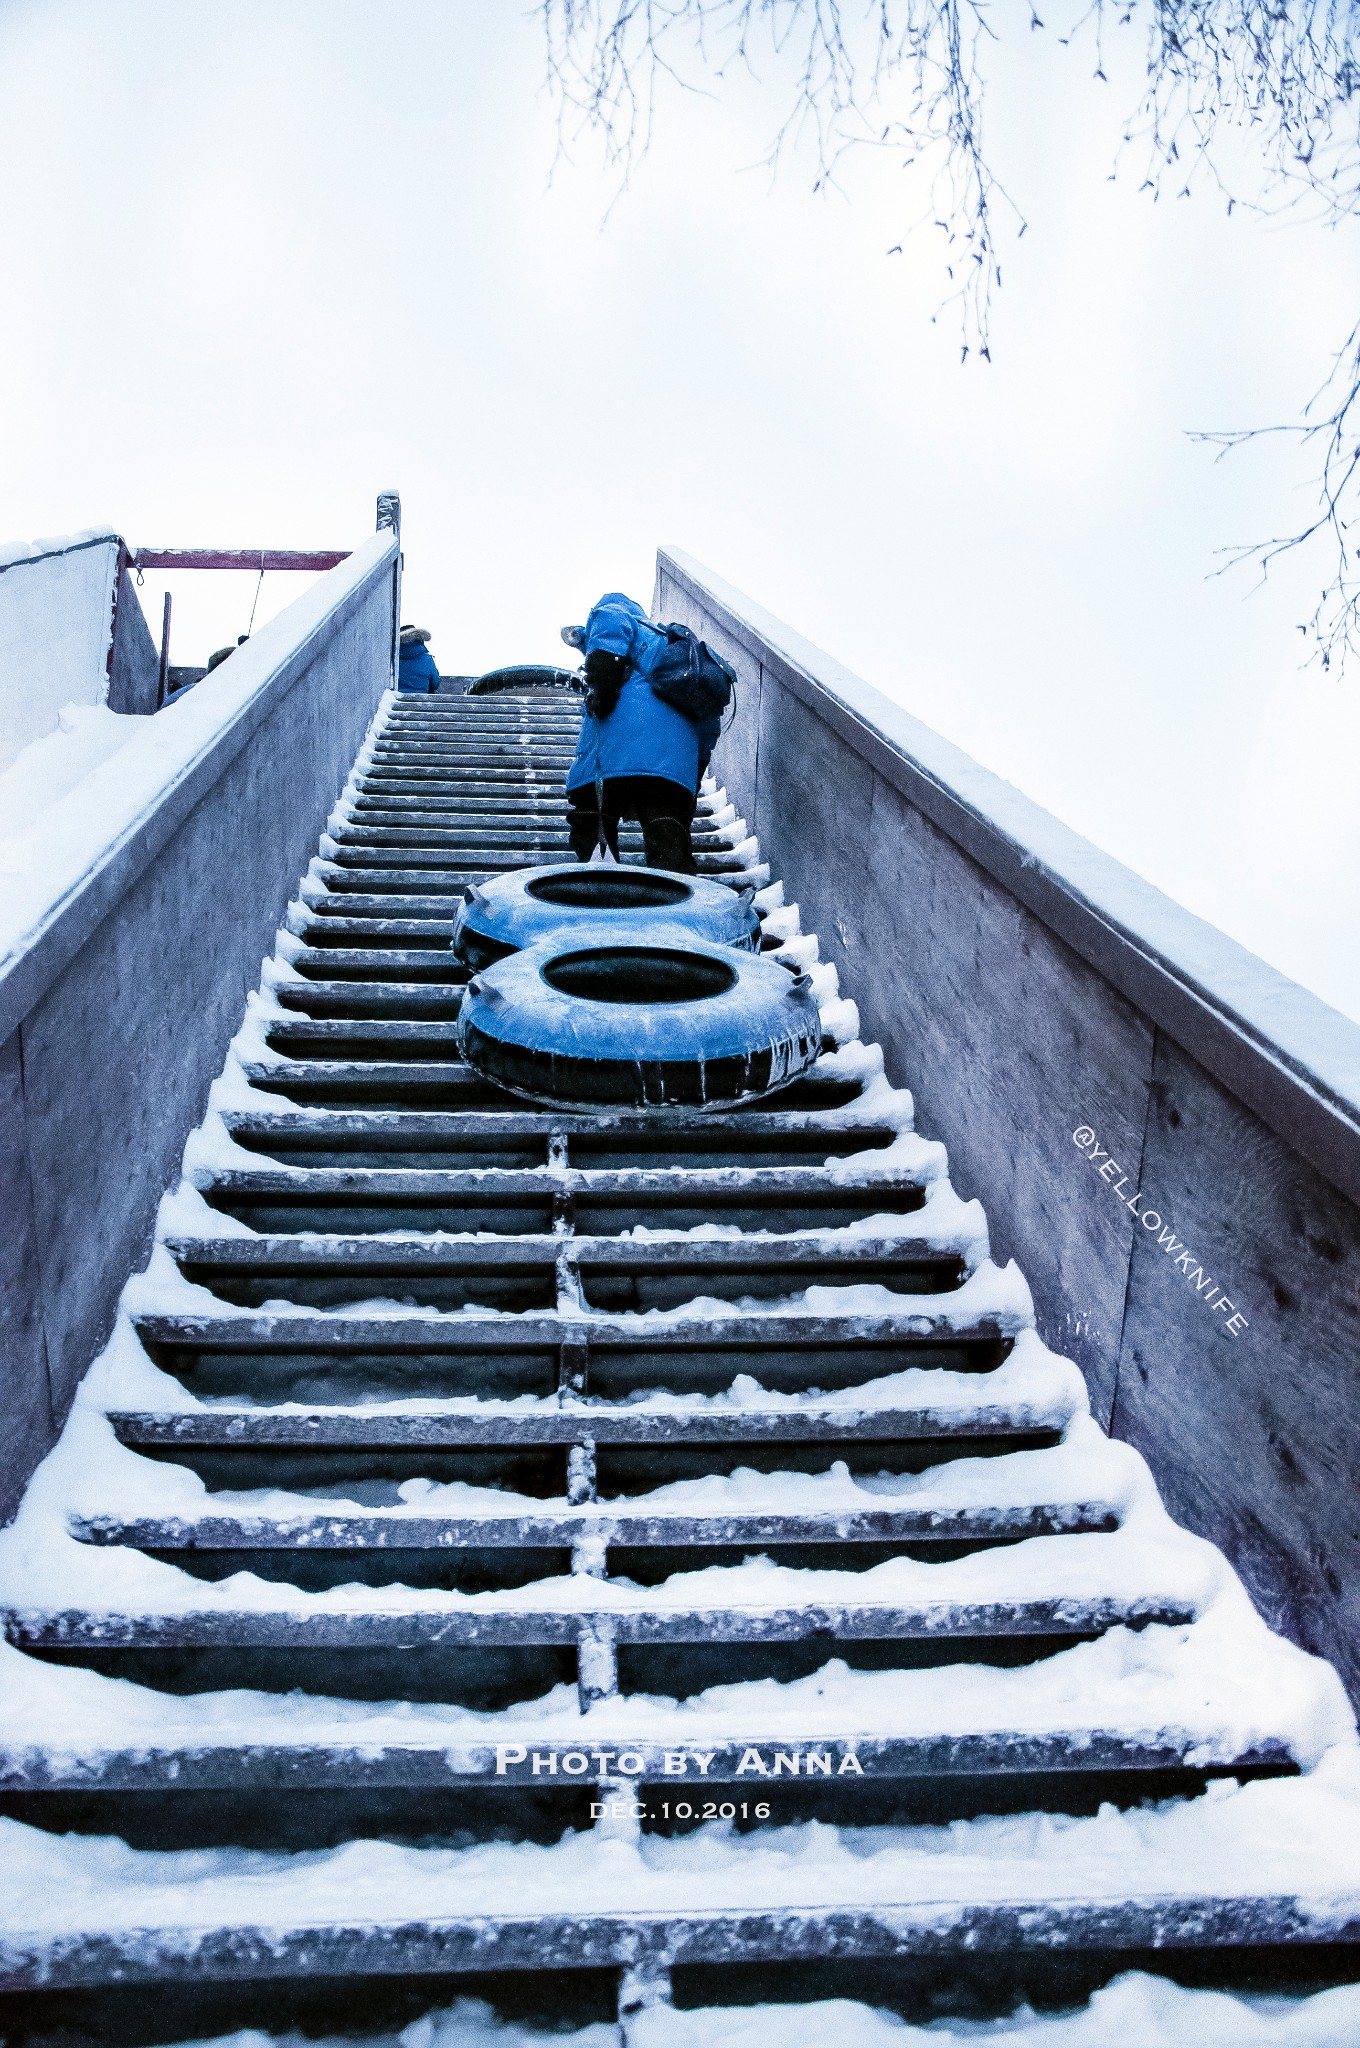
pixel 592 1561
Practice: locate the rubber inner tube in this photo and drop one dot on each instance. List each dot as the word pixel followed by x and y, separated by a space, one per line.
pixel 639 974
pixel 609 888
pixel 528 676
pixel 653 1020
pixel 527 905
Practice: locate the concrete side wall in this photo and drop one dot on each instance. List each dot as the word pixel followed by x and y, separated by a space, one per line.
pixel 1021 1015
pixel 108 1068
pixel 56 608
pixel 135 664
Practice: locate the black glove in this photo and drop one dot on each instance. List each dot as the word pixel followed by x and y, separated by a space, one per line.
pixel 605 675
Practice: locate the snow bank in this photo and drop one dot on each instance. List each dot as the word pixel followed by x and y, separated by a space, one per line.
pixel 50 768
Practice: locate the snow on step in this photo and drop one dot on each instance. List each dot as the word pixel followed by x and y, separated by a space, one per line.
pixel 1220 1691
pixel 1285 1855
pixel 59 1589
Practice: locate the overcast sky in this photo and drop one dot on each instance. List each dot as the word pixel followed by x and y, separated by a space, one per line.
pixel 263 260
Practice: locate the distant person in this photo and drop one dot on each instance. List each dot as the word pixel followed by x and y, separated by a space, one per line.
pixel 416 669
pixel 638 756
pixel 216 659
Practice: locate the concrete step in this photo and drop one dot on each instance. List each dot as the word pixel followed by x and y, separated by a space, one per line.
pixel 427 796
pixel 475 732
pixel 387 1041
pixel 470 1552
pixel 455 879
pixel 530 772
pixel 548 840
pixel 379 822
pixel 771 1198
pixel 612 1273
pixel 344 1355
pixel 508 764
pixel 441 726
pixel 542 743
pixel 383 928
pixel 431 914
pixel 554 1445
pixel 466 852
pixel 479 858
pixel 376 1041
pixel 624 1138
pixel 711 1936
pixel 327 962
pixel 445 732
pixel 546 786
pixel 202 1794
pixel 977 1419
pixel 359 1001
pixel 444 1084
pixel 447 710
pixel 450 884
pixel 611 1636
pixel 792 1347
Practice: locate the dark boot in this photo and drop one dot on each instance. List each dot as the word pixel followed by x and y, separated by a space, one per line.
pixel 583 830
pixel 666 844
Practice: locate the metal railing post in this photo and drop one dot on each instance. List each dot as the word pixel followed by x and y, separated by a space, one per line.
pixel 389 514
pixel 163 680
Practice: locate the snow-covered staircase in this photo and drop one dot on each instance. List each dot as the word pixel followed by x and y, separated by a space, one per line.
pixel 503 1541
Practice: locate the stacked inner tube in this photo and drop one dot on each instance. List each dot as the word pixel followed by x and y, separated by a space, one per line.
pixel 531 904
pixel 531 676
pixel 627 986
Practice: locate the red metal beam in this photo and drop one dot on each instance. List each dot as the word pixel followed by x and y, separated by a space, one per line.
pixel 240 558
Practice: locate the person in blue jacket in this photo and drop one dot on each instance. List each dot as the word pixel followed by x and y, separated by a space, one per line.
pixel 416 669
pixel 637 757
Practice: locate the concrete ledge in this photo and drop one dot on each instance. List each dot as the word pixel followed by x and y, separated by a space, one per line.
pixel 1165 1131
pixel 132 926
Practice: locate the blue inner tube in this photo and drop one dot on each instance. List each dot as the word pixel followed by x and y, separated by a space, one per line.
pixel 531 904
pixel 639 1019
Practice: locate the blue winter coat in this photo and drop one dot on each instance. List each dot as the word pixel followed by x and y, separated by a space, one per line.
pixel 416 670
pixel 641 736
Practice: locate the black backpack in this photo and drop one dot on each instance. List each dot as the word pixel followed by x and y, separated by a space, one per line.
pixel 690 677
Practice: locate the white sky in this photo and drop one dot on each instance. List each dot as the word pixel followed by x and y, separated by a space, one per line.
pixel 263 260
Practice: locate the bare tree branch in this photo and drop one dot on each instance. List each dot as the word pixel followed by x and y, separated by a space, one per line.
pixel 887 74
pixel 1285 72
pixel 907 75
pixel 1331 422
